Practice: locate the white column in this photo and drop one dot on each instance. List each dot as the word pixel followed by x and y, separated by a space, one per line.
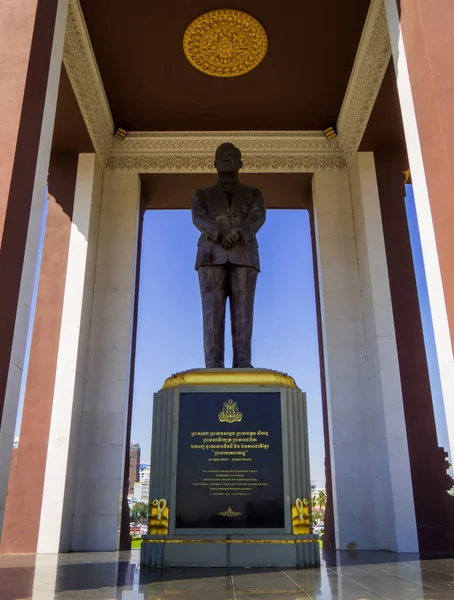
pixel 8 420
pixel 61 463
pixel 363 498
pixel 97 511
pixel 425 224
pixel 347 384
pixel 392 460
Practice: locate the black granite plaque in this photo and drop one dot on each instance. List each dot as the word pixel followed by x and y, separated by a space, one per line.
pixel 230 464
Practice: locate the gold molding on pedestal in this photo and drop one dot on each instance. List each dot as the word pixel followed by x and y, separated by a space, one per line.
pixel 163 540
pixel 229 377
pixel 225 43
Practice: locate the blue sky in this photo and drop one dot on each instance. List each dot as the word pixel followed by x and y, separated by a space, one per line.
pixel 169 337
pixel 32 316
pixel 426 318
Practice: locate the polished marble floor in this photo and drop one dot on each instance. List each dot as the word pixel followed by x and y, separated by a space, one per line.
pixel 109 576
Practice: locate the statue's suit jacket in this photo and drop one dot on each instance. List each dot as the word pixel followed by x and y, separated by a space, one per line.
pixel 211 210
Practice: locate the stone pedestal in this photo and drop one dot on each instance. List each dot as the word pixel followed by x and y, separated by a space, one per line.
pixel 230 483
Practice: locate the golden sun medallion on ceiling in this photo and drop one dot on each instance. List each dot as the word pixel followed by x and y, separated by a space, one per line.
pixel 225 43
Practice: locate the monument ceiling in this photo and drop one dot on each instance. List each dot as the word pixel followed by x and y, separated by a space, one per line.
pixel 70 131
pixel 385 129
pixel 151 86
pixel 124 65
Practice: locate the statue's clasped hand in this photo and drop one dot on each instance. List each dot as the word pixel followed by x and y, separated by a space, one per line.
pixel 230 238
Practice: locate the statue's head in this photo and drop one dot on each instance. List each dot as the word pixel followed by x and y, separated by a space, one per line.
pixel 228 158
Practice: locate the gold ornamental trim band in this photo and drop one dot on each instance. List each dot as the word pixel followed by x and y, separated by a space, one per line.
pixel 225 43
pixel 229 377
pixel 229 541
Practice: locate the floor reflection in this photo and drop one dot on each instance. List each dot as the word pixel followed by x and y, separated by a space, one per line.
pixel 109 576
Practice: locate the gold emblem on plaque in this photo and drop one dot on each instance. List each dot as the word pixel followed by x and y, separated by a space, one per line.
pixel 225 43
pixel 229 513
pixel 230 413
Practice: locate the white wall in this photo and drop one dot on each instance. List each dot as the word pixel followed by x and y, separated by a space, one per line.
pixel 354 293
pixel 99 488
pixel 61 463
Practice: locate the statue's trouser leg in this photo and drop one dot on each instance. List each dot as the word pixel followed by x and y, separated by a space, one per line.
pixel 242 291
pixel 213 290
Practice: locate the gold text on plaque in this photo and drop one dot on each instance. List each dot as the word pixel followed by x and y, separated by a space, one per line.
pixel 225 43
pixel 230 413
pixel 229 513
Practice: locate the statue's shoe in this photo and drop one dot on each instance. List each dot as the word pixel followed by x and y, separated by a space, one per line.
pixel 244 365
pixel 215 365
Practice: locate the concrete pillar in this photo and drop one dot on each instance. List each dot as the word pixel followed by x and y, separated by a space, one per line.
pixel 55 524
pixel 102 443
pixel 345 363
pixel 31 47
pixel 394 481
pixel 358 334
pixel 422 40
pixel 26 481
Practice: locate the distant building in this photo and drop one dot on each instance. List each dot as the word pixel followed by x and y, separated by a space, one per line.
pixel 142 491
pixel 144 473
pixel 134 464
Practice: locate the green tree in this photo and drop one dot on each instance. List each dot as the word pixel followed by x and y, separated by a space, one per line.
pixel 322 499
pixel 138 512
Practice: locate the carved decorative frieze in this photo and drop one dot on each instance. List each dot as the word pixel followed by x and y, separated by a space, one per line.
pixel 83 73
pixel 182 152
pixel 371 62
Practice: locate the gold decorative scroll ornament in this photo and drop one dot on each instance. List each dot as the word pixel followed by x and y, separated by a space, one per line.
pixel 225 43
pixel 229 513
pixel 301 517
pixel 159 517
pixel 230 413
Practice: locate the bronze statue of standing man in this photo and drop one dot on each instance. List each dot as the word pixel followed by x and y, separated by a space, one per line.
pixel 228 215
